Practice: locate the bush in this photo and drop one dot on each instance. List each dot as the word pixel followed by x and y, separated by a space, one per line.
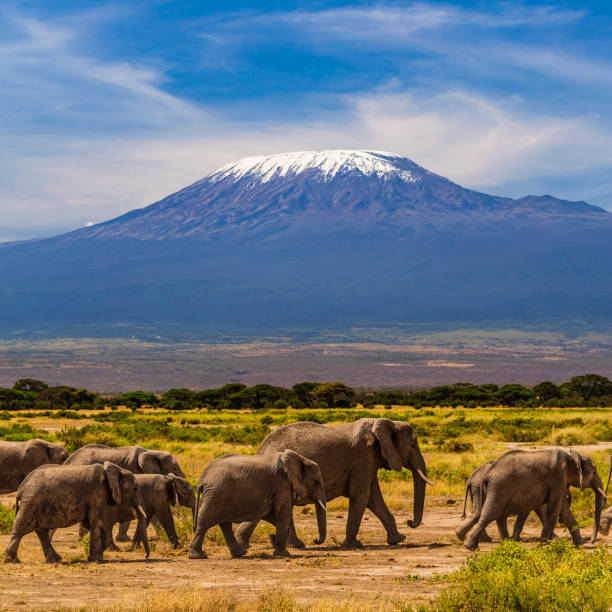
pixel 456 446
pixel 557 577
pixel 7 518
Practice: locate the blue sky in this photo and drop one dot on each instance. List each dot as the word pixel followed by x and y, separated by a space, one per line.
pixel 109 106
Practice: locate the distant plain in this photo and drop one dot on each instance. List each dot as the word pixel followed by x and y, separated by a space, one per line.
pixel 362 358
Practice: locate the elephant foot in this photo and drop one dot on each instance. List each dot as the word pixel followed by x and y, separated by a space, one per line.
pixel 176 545
pixel 123 537
pixel 281 552
pixel 11 558
pixel 395 538
pixel 113 547
pixel 577 539
pixel 197 554
pixel 471 545
pixel 350 544
pixel 238 552
pixel 485 537
pixel 53 558
pixel 460 534
pixel 95 559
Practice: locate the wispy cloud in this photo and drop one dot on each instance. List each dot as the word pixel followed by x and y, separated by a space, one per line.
pixel 87 135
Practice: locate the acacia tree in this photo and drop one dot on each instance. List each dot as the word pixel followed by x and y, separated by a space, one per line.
pixel 590 385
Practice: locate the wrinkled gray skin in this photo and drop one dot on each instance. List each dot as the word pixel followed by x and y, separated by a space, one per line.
pixel 350 456
pixel 55 496
pixel 606 517
pixel 520 482
pixel 158 493
pixel 236 488
pixel 18 459
pixel 137 459
pixel 473 488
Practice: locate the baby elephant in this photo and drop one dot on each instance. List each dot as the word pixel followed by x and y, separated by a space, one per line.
pixel 238 488
pixel 55 496
pixel 158 493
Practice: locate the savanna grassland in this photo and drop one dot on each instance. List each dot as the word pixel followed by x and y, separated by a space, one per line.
pixel 431 570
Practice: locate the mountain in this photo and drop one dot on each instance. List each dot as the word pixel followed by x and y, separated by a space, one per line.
pixel 330 238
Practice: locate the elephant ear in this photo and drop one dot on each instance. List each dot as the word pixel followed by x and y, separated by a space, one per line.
pixel 148 463
pixel 113 476
pixel 293 464
pixel 172 490
pixel 383 430
pixel 577 459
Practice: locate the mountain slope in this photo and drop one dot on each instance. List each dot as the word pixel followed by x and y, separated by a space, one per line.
pixel 329 239
pixel 317 191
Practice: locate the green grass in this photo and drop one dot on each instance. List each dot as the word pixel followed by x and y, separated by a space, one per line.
pixel 556 577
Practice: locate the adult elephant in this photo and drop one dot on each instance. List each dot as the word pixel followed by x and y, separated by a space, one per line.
pixel 350 456
pixel 55 496
pixel 18 459
pixel 523 481
pixel 136 459
pixel 474 487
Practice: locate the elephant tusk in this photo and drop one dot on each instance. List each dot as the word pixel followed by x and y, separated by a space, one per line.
pixel 429 482
pixel 322 505
pixel 141 510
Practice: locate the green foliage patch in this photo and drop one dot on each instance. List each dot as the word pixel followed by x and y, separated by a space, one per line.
pixel 556 577
pixel 7 518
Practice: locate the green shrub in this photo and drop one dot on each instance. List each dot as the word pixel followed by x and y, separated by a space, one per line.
pixel 556 577
pixel 7 518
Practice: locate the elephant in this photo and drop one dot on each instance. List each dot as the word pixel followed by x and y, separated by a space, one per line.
pixel 474 488
pixel 18 459
pixel 55 496
pixel 158 493
pixel 137 459
pixel 236 488
pixel 606 517
pixel 350 456
pixel 521 481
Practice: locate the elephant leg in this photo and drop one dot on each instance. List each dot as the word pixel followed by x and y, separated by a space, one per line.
pixel 96 541
pixel 502 528
pixel 518 526
pixel 228 533
pixel 463 529
pixel 21 527
pixel 244 533
pixel 487 515
pixel 50 553
pixel 485 537
pixel 376 504
pixel 293 538
pixel 567 518
pixel 122 534
pixel 203 525
pixel 282 519
pixel 167 522
pixel 357 505
pixel 551 515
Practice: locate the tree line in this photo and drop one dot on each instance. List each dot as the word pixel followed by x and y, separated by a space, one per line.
pixel 585 390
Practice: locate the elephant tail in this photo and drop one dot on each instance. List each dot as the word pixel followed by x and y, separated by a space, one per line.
pixel 467 488
pixel 197 507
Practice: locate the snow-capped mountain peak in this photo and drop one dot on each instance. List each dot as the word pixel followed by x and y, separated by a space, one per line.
pixel 321 164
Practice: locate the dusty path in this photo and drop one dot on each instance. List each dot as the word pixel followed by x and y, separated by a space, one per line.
pixel 376 572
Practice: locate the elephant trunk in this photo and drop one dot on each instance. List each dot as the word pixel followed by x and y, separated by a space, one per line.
pixel 418 474
pixel 600 502
pixel 321 517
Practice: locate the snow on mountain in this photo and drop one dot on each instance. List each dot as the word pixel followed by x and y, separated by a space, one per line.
pixel 325 164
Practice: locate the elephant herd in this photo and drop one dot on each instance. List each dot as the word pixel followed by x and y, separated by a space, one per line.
pixel 297 464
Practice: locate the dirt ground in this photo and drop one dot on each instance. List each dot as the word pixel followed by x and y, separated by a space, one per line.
pixel 377 572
